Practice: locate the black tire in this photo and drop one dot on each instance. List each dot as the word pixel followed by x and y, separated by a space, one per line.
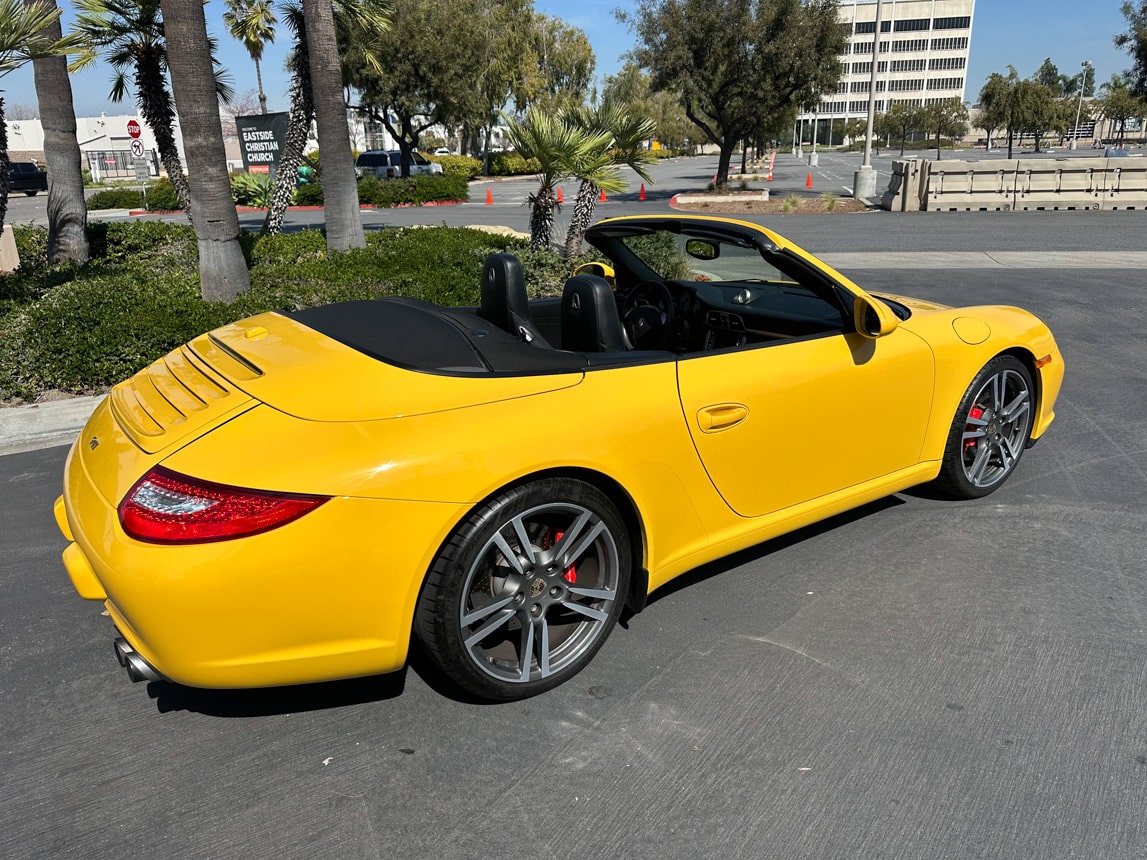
pixel 540 570
pixel 989 431
pixel 31 193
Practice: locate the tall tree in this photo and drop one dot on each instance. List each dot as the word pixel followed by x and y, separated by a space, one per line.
pixel 67 211
pixel 340 190
pixel 252 22
pixel 738 62
pixel 23 39
pixel 630 89
pixel 130 34
pixel 560 64
pixel 222 268
pixel 1134 41
pixel 299 118
pixel 1118 103
pixel 425 71
pixel 900 121
pixel 947 118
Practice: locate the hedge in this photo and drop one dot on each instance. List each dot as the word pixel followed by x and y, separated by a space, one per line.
pixel 81 330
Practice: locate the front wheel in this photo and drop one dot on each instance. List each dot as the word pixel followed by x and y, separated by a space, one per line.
pixel 32 193
pixel 526 589
pixel 989 431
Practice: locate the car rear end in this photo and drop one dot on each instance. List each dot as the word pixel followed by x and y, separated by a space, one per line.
pixel 221 584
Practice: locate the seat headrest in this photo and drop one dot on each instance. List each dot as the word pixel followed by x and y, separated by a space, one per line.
pixel 590 320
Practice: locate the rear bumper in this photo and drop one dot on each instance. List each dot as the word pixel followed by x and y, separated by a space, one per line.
pixel 328 596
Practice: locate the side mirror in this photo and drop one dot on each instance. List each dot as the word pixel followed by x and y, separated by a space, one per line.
pixel 872 317
pixel 601 270
pixel 702 249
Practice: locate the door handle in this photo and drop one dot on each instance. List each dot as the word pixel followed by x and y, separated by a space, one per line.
pixel 722 416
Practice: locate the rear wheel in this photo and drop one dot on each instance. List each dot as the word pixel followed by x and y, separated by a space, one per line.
pixel 989 431
pixel 526 590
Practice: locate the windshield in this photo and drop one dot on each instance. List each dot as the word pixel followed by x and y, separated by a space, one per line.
pixel 682 257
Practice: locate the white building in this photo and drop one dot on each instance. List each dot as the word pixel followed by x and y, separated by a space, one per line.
pixel 922 58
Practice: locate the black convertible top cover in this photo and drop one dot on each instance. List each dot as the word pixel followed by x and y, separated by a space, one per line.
pixel 418 335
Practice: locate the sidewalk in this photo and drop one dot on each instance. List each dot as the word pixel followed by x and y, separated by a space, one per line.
pixel 43 425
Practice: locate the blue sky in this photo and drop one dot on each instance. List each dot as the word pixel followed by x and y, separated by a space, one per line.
pixel 1017 32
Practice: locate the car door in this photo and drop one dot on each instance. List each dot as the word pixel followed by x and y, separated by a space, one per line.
pixel 786 422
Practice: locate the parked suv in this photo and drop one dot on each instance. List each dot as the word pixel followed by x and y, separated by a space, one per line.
pixel 387 164
pixel 27 177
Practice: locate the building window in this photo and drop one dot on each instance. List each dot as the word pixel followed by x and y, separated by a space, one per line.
pixel 862 48
pixel 908 65
pixel 943 63
pixel 902 45
pixel 953 44
pixel 906 85
pixel 865 27
pixel 945 83
pixel 911 24
pixel 862 68
pixel 960 23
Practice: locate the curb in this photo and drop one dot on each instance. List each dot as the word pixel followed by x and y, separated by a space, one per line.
pixel 44 425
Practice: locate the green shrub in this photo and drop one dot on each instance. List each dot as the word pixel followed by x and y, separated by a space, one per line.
pixel 31 245
pixel 80 330
pixel 115 198
pixel 161 196
pixel 252 189
pixel 512 164
pixel 412 190
pixel 87 334
pixel 310 194
pixel 458 165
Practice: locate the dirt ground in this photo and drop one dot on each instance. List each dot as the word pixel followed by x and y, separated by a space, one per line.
pixel 775 205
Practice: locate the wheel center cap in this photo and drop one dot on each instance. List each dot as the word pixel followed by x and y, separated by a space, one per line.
pixel 537 587
pixel 993 429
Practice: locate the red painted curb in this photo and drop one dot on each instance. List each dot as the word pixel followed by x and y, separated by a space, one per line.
pixel 673 202
pixel 302 208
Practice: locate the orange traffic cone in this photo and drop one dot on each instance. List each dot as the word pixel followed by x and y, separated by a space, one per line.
pixel 489 197
pixel 602 198
pixel 560 198
pixel 808 182
pixel 641 196
pixel 769 178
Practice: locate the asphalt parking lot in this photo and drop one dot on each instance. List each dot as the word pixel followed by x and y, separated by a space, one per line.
pixel 919 678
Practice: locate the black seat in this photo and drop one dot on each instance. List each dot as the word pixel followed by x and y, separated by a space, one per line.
pixel 504 301
pixel 590 320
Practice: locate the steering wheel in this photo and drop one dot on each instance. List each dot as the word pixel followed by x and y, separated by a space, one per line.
pixel 648 313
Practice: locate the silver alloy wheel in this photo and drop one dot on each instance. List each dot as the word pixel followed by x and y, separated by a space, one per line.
pixel 540 593
pixel 996 428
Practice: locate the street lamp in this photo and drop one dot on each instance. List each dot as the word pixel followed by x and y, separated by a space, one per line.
pixel 864 179
pixel 1079 106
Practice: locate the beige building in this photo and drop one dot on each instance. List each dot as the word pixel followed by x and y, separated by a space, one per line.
pixel 922 57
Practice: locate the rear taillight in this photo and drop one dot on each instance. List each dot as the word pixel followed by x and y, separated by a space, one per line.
pixel 167 507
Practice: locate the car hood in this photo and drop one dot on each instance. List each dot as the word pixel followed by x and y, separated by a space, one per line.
pixel 302 372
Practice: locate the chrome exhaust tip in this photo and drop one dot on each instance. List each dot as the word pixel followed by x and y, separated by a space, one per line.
pixel 138 669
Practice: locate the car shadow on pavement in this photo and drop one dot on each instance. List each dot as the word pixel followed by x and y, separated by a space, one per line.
pixel 759 551
pixel 273 701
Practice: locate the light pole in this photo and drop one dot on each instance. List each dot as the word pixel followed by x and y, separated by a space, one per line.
pixel 1079 107
pixel 864 180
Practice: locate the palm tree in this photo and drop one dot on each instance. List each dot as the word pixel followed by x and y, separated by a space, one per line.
pixel 300 116
pixel 130 34
pixel 599 170
pixel 356 21
pixel 252 22
pixel 22 40
pixel 340 190
pixel 222 268
pixel 67 211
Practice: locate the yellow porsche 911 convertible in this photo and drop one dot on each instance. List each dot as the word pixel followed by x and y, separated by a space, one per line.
pixel 298 496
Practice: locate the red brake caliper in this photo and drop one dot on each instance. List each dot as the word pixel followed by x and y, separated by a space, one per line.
pixel 974 412
pixel 570 575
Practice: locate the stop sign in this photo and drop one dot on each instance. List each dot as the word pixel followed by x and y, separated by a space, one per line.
pixel 133 128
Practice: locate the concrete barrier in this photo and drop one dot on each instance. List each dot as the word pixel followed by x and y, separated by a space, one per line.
pixel 1017 184
pixel 970 186
pixel 1126 184
pixel 905 187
